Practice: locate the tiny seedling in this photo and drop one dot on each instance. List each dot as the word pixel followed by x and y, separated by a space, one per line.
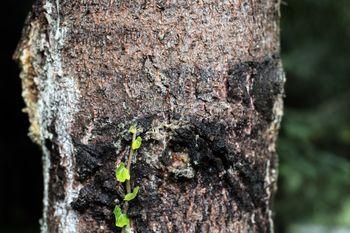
pixel 121 220
pixel 122 174
pixel 130 196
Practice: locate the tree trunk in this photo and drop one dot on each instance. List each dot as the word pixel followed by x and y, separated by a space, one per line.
pixel 202 79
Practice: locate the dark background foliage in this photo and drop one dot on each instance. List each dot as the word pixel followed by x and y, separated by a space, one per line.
pixel 314 144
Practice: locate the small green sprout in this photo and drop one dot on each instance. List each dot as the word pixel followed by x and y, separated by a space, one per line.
pixel 122 173
pixel 121 220
pixel 130 196
pixel 137 143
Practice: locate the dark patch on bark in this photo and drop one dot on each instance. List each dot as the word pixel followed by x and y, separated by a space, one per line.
pixel 88 160
pixel 95 165
pixel 99 196
pixel 262 79
pixel 57 180
pixel 92 196
pixel 237 82
pixel 56 171
pixel 247 183
pixel 267 85
pixel 211 154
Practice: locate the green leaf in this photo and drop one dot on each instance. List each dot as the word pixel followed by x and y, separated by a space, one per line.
pixel 133 129
pixel 121 220
pixel 122 173
pixel 137 143
pixel 130 196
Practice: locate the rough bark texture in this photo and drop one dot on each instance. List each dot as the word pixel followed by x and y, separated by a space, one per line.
pixel 203 79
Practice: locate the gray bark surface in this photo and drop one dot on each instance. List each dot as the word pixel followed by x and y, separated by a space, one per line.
pixel 204 81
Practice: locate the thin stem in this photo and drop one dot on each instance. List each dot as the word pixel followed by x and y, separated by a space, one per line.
pixel 128 166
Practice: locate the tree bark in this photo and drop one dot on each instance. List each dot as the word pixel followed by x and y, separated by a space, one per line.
pixel 202 79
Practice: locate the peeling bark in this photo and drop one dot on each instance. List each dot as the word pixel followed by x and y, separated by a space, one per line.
pixel 204 81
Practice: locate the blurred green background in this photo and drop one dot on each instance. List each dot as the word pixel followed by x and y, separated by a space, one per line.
pixel 314 143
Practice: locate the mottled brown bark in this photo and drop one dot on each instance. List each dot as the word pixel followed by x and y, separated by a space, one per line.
pixel 203 80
